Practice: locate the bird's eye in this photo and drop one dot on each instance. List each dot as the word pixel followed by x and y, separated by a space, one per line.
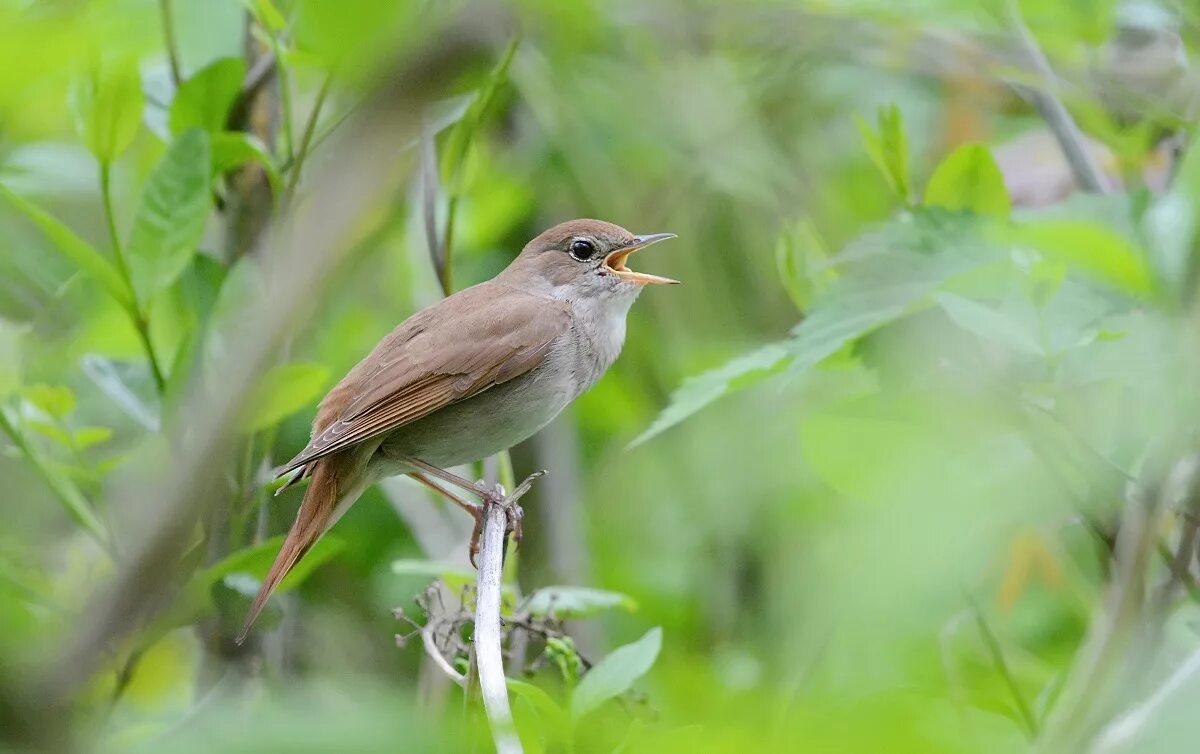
pixel 582 249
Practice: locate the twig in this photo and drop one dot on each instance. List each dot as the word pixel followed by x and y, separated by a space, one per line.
pixel 488 656
pixel 169 38
pixel 435 654
pixel 306 140
pixel 1070 139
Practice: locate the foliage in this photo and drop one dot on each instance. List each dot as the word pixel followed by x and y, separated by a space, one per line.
pixel 907 464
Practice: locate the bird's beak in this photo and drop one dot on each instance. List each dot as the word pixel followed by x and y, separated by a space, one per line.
pixel 615 261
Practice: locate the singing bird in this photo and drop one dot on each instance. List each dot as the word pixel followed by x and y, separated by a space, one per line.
pixel 472 375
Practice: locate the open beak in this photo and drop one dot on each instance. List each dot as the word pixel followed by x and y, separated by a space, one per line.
pixel 615 261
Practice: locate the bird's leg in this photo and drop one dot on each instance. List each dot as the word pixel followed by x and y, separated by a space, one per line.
pixel 490 496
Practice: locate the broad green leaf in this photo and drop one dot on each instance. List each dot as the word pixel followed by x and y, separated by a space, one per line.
pixel 74 248
pixel 697 392
pixel 575 601
pixel 204 100
pixel 283 391
pixel 969 179
pixel 232 149
pixel 85 437
pixel 555 723
pixel 888 149
pixel 1087 246
pixel 54 400
pixel 106 102
pixel 988 323
pixel 797 252
pixel 169 222
pixel 615 674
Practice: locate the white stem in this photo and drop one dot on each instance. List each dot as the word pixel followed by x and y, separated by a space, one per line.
pixel 488 657
pixel 435 654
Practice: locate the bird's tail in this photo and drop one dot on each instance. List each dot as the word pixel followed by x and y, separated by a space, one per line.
pixel 317 513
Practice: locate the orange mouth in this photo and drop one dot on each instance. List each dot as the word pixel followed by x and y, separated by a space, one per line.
pixel 616 261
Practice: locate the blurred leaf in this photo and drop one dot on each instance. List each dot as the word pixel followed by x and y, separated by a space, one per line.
pixel 797 252
pixel 461 135
pixel 106 103
pixel 615 674
pixel 267 14
pixel 1170 224
pixel 233 149
pixel 1090 247
pixel 575 601
pixel 888 149
pixel 73 247
pixel 988 323
pixel 56 400
pixel 169 222
pixel 204 100
pixel 108 377
pixel 553 717
pixel 969 179
pixel 50 431
pixel 85 437
pixel 283 391
pixel 697 392
pixel 10 357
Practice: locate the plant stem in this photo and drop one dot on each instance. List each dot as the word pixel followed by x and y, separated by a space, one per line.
pixel 486 639
pixel 141 321
pixel 310 128
pixel 70 497
pixel 997 652
pixel 169 37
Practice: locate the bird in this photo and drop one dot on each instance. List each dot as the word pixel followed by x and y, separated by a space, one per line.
pixel 467 377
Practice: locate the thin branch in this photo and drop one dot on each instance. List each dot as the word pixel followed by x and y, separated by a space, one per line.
pixel 310 127
pixel 488 656
pixel 1088 175
pixel 141 322
pixel 171 43
pixel 435 654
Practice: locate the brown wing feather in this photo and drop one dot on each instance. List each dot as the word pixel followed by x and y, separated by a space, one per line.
pixel 432 360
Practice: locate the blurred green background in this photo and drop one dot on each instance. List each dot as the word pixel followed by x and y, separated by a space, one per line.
pixel 906 464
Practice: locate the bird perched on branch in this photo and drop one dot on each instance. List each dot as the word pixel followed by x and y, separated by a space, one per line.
pixel 472 375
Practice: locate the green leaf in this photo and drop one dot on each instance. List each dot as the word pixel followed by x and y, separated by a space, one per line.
pixel 169 222
pixel 106 103
pixel 54 400
pixel 10 357
pixel 555 723
pixel 988 323
pixel 888 149
pixel 460 137
pixel 283 391
pixel 575 601
pixel 615 674
pixel 85 437
pixel 697 392
pixel 1171 222
pixel 1090 247
pixel 969 179
pixel 798 252
pixel 74 248
pixel 267 14
pixel 232 149
pixel 204 100
pixel 50 431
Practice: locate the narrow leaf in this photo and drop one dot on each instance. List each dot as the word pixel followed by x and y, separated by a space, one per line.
pixel 71 246
pixel 615 674
pixel 575 601
pixel 85 437
pixel 232 149
pixel 204 100
pixel 54 400
pixel 555 722
pixel 969 179
pixel 169 222
pixel 106 103
pixel 284 390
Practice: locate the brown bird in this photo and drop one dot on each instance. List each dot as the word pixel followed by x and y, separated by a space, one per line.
pixel 472 375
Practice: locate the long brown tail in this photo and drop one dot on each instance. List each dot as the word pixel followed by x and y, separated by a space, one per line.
pixel 315 516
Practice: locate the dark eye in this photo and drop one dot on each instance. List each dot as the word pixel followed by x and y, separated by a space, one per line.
pixel 582 249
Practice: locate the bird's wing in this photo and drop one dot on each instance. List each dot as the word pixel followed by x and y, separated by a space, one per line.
pixel 434 359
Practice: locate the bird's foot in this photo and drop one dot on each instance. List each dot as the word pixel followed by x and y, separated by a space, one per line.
pixel 513 513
